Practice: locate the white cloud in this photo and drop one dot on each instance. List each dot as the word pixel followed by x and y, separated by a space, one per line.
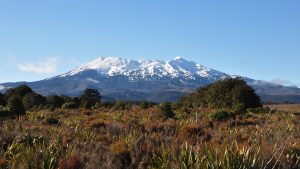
pixel 48 65
pixel 2 87
pixel 283 82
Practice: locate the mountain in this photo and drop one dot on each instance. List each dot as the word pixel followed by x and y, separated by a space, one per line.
pixel 152 80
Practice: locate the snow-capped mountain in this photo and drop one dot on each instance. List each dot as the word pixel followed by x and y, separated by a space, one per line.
pixel 153 80
pixel 145 69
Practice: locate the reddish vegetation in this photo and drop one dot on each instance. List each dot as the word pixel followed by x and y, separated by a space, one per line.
pixel 141 138
pixel 71 163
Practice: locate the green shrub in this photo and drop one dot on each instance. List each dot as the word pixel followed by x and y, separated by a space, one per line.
pixel 3 100
pixel 89 98
pixel 55 101
pixel 69 105
pixel 175 105
pixel 19 91
pixel 31 100
pixel 166 110
pixel 231 93
pixel 52 121
pixel 16 106
pixel 119 105
pixel 144 105
pixel 4 111
pixel 219 115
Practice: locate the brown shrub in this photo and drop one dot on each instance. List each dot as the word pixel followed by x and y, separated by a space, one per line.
pixel 191 133
pixel 168 127
pixel 95 123
pixel 72 163
pixel 3 162
pixel 120 155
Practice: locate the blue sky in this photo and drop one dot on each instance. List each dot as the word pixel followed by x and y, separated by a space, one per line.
pixel 258 39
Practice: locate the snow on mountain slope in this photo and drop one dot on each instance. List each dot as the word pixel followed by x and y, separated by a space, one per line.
pixel 178 67
pixel 153 80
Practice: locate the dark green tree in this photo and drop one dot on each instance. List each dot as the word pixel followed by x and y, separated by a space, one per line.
pixel 32 99
pixel 16 106
pixel 19 91
pixel 54 101
pixel 89 98
pixel 166 110
pixel 3 100
pixel 144 105
pixel 231 93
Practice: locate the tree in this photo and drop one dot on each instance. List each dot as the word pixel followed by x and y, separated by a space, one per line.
pixel 3 100
pixel 231 93
pixel 32 99
pixel 166 110
pixel 244 97
pixel 89 98
pixel 19 91
pixel 144 105
pixel 55 101
pixel 16 106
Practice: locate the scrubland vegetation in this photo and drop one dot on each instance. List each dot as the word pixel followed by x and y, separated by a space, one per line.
pixel 220 126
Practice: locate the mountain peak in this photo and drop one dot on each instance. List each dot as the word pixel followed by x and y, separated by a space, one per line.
pixel 178 67
pixel 178 58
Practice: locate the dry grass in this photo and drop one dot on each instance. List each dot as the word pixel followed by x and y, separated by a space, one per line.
pixel 138 138
pixel 285 107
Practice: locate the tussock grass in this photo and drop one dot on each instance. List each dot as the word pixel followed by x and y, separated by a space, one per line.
pixel 140 137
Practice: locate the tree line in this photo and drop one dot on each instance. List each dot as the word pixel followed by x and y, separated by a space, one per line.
pixel 17 100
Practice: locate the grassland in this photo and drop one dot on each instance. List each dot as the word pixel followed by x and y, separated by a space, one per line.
pixel 142 138
pixel 285 107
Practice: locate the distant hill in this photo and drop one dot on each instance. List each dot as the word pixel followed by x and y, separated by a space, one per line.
pixel 152 80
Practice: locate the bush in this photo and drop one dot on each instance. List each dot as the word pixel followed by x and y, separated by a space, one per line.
pixel 89 98
pixel 16 106
pixel 19 91
pixel 69 105
pixel 119 105
pixel 144 105
pixel 32 99
pixel 219 115
pixel 52 121
pixel 55 101
pixel 3 100
pixel 232 94
pixel 175 105
pixel 166 110
pixel 4 111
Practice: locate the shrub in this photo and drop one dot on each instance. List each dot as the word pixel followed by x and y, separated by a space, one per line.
pixel 32 99
pixel 119 105
pixel 89 98
pixel 16 106
pixel 72 163
pixel 175 105
pixel 166 110
pixel 230 93
pixel 19 91
pixel 128 105
pixel 69 105
pixel 52 120
pixel 3 100
pixel 144 105
pixel 120 154
pixel 219 115
pixel 3 163
pixel 4 111
pixel 55 101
